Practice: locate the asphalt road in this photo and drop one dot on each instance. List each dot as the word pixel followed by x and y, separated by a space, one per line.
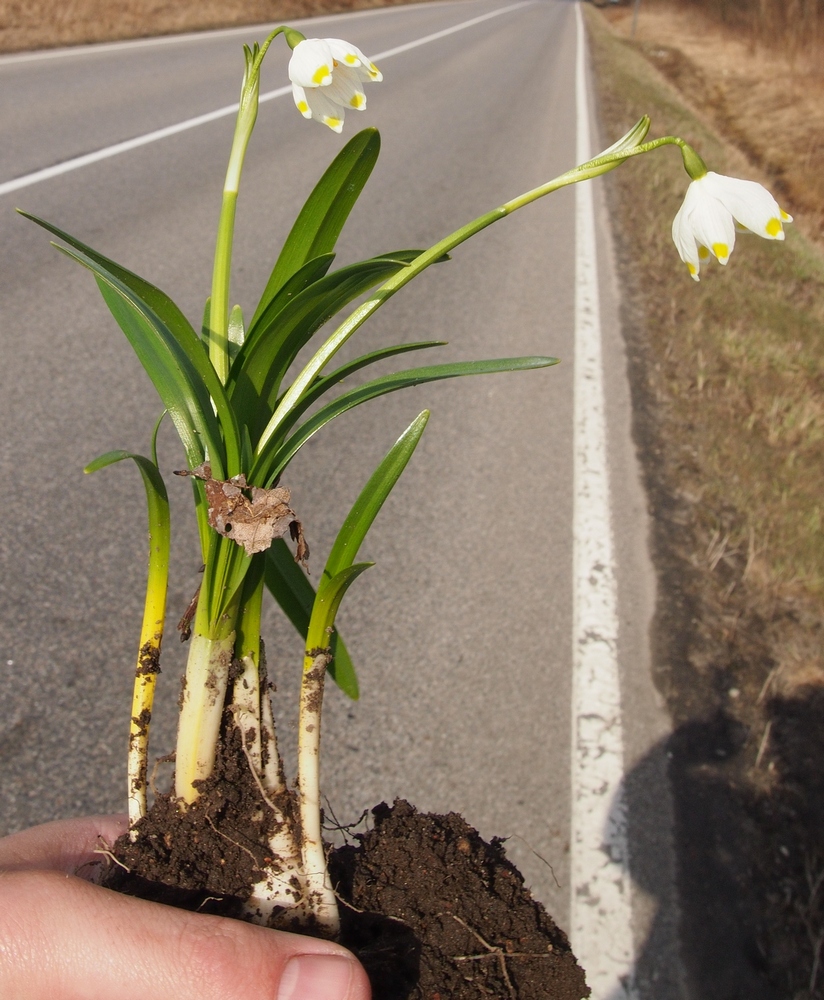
pixel 462 631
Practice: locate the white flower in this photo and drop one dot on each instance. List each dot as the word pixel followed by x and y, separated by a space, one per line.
pixel 327 77
pixel 715 207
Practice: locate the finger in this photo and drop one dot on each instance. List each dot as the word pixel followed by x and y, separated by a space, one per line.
pixel 64 845
pixel 61 937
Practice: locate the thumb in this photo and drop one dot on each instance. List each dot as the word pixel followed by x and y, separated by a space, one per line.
pixel 62 937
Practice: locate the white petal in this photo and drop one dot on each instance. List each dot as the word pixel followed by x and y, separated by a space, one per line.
pixel 350 55
pixel 346 88
pixel 301 103
pixel 311 63
pixel 324 109
pixel 751 205
pixel 684 240
pixel 711 222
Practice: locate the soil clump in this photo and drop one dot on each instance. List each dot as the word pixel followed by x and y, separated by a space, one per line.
pixel 431 910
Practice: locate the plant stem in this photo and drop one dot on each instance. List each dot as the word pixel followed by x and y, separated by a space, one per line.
pixel 321 894
pixel 204 697
pixel 318 361
pixel 221 272
pixel 246 705
pixel 148 657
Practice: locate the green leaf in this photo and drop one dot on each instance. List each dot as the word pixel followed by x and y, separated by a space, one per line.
pixel 179 386
pixel 371 498
pixel 313 270
pixel 292 590
pixel 160 310
pixel 255 378
pixel 327 602
pixel 148 469
pixel 237 333
pixel 226 566
pixel 157 499
pixel 273 459
pixel 322 385
pixel 321 219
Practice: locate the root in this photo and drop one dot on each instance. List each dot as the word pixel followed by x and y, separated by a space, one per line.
pixel 493 951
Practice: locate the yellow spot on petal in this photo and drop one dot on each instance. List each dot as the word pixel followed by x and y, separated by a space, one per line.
pixel 332 122
pixel 303 107
pixel 703 253
pixel 721 250
pixel 350 59
pixel 692 268
pixel 785 217
pixel 358 101
pixel 320 74
pixel 773 227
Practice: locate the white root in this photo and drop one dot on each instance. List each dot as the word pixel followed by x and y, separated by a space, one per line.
pixel 282 889
pixel 321 894
pixel 201 712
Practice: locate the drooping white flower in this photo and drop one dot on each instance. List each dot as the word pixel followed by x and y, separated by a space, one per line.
pixel 327 77
pixel 714 209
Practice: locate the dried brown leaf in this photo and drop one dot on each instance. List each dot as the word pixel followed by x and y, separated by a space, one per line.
pixel 250 515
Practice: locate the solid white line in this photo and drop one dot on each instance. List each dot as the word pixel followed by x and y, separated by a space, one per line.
pixel 162 133
pixel 600 905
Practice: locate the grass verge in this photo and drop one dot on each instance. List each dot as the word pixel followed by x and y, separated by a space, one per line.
pixel 728 391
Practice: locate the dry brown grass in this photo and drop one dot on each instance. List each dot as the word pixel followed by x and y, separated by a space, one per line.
pixel 740 360
pixel 728 398
pixel 768 99
pixel 794 25
pixel 34 24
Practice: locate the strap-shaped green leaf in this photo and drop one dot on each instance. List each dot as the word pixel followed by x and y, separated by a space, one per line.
pixel 371 498
pixel 327 208
pixel 254 382
pixel 311 272
pixel 155 486
pixel 327 602
pixel 155 302
pixel 226 566
pixel 292 590
pixel 157 506
pixel 183 393
pixel 323 385
pixel 273 460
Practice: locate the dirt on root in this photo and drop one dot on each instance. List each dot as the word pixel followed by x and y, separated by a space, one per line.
pixel 430 909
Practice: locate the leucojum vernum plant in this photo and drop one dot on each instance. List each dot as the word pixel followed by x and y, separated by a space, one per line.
pixel 240 425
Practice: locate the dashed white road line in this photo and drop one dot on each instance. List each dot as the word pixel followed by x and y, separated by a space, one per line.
pixel 600 905
pixel 162 133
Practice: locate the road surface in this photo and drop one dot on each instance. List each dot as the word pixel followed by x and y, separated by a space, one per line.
pixel 463 632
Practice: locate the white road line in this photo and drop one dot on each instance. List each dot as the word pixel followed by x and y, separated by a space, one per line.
pixel 162 133
pixel 600 905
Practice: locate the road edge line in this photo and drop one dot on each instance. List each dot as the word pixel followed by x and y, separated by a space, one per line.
pixel 600 891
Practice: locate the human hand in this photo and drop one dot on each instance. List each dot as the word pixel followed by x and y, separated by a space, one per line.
pixel 63 938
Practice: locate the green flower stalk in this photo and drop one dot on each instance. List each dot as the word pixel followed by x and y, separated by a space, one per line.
pixel 241 422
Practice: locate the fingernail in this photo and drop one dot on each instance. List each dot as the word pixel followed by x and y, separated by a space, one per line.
pixel 316 977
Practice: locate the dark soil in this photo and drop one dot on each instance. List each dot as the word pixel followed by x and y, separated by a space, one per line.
pixel 431 910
